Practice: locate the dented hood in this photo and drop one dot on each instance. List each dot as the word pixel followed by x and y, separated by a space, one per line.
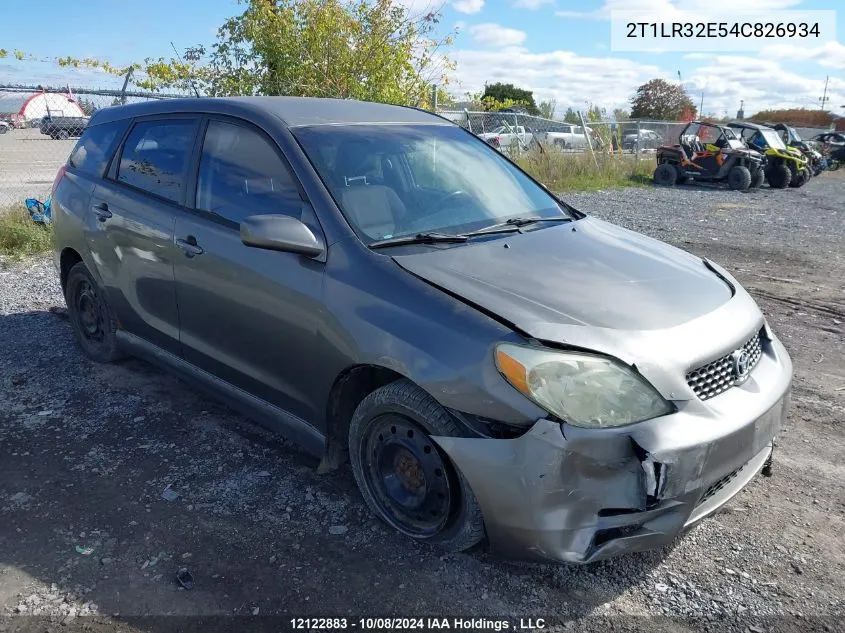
pixel 584 273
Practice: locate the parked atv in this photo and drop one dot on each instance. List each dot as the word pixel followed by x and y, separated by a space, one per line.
pixel 792 139
pixel 708 152
pixel 784 166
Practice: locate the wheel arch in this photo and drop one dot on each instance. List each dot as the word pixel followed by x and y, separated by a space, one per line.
pixel 351 386
pixel 69 258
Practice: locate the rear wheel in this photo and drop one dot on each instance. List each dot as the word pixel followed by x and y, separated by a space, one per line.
pixel 757 178
pixel 406 479
pixel 739 178
pixel 778 176
pixel 90 316
pixel 666 174
pixel 63 135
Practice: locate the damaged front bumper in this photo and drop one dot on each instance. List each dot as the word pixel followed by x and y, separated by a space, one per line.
pixel 579 495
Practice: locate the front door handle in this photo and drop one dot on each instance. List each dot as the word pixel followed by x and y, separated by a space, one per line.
pixel 190 246
pixel 102 211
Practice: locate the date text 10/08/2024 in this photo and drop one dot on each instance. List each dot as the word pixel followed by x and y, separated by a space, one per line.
pixel 420 624
pixel 722 29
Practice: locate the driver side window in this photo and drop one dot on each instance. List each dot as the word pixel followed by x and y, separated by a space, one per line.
pixel 241 173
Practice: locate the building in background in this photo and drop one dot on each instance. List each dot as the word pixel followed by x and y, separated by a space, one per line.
pixel 20 108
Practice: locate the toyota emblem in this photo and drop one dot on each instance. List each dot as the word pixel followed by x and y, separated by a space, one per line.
pixel 741 361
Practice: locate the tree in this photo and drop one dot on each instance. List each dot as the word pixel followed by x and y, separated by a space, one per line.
pixel 502 92
pixel 374 50
pixel 571 116
pixel 795 116
pixel 661 100
pixel 547 108
pixel 88 106
pixel 621 114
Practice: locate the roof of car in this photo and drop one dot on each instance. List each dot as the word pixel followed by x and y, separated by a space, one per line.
pixel 293 111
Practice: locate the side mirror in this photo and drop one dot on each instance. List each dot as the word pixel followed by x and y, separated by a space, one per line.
pixel 280 233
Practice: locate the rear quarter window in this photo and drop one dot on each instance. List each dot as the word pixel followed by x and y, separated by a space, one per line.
pixel 95 147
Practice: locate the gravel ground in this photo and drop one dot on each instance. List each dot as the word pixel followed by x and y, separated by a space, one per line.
pixel 112 478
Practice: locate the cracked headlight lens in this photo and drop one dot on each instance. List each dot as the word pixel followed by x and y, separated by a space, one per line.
pixel 583 389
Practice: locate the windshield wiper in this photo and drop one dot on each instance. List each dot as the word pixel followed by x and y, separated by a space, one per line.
pixel 514 224
pixel 419 238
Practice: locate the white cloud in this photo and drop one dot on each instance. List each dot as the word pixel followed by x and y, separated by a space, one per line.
pixel 673 7
pixel 570 78
pixel 531 5
pixel 830 55
pixel 468 6
pixel 491 34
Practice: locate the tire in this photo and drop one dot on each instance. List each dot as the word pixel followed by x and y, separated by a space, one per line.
pixel 832 164
pixel 398 420
pixel 778 176
pixel 666 175
pixel 3 129
pixel 801 178
pixel 90 316
pixel 63 135
pixel 739 178
pixel 757 178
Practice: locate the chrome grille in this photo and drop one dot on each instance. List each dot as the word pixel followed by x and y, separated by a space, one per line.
pixel 718 376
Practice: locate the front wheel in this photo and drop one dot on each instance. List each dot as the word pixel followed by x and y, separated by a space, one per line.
pixel 778 176
pixel 832 164
pixel 757 178
pixel 800 178
pixel 739 178
pixel 666 175
pixel 406 479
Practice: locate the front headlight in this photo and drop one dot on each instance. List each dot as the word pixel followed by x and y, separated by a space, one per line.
pixel 583 389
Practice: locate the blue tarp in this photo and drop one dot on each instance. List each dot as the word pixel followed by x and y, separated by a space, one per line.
pixel 39 211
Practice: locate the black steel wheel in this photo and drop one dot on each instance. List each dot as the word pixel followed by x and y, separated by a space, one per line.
pixel 406 479
pixel 90 316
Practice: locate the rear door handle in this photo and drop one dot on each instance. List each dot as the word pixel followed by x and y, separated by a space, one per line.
pixel 102 211
pixel 190 246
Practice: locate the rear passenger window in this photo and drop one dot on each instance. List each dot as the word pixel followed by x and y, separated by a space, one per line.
pixel 242 174
pixel 155 157
pixel 93 150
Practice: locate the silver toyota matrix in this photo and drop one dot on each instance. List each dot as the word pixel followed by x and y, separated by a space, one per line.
pixel 386 289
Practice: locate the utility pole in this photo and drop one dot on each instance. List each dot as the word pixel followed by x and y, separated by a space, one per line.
pixel 701 106
pixel 824 98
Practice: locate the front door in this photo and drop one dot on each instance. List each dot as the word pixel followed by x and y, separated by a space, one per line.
pixel 130 229
pixel 248 316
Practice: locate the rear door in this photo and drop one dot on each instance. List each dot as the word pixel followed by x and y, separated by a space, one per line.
pixel 130 233
pixel 247 315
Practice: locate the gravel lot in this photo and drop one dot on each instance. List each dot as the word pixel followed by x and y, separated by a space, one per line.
pixel 87 451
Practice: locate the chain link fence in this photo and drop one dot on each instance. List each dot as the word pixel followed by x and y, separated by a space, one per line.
pixel 515 132
pixel 38 128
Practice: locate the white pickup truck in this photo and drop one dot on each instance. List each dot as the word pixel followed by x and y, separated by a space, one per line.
pixel 507 136
pixel 565 136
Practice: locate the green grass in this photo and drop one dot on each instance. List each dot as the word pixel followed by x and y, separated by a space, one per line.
pixel 20 236
pixel 562 171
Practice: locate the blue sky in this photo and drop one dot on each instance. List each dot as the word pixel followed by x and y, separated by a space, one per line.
pixel 558 48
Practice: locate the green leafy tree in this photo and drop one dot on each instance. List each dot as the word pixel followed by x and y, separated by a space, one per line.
pixel 621 114
pixel 374 50
pixel 661 100
pixel 571 116
pixel 502 92
pixel 547 108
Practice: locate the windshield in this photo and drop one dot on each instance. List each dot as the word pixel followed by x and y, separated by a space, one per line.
pixel 773 139
pixel 396 180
